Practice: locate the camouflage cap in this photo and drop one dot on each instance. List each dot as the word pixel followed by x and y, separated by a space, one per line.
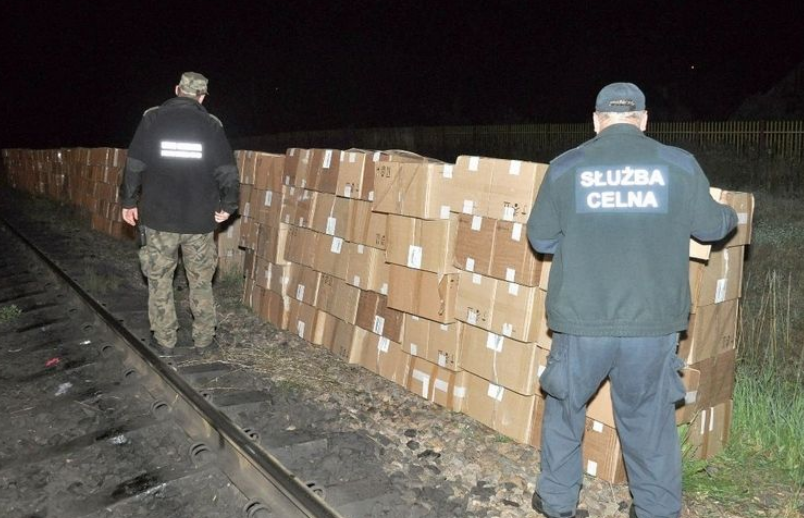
pixel 620 97
pixel 193 83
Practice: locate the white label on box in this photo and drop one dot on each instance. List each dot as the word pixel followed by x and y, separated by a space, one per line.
pixel 304 183
pixel 513 289
pixel 327 159
pixel 494 342
pixel 474 162
pixel 424 379
pixel 720 291
pixel 540 370
pixel 284 280
pixel 496 392
pixel 440 385
pixel 247 209
pixel 447 170
pixel 287 180
pixel 508 213
pixel 742 218
pixel 477 223
pixel 331 224
pixel 342 156
pixel 384 288
pixel 293 151
pixel 371 196
pixel 477 278
pixel 443 359
pixel 352 157
pixel 269 198
pixel 703 422
pixel 444 327
pixel 516 232
pixel 691 397
pixel 459 392
pixel 307 154
pixel 300 328
pixel 468 206
pixel 470 264
pixel 508 329
pixel 711 419
pixel 415 257
pixel 301 222
pixel 444 213
pixel 591 468
pixel 516 166
pixel 268 275
pixel 376 157
pixel 356 280
pixel 383 345
pixel 597 426
pixel 415 318
pixel 414 349
pixel 300 292
pixel 337 244
pixel 510 275
pixel 360 249
pixel 471 316
pixel 347 190
pixel 379 324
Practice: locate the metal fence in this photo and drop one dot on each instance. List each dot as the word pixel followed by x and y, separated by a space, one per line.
pixel 541 142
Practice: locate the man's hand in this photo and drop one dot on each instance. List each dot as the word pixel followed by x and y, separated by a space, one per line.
pixel 131 216
pixel 221 216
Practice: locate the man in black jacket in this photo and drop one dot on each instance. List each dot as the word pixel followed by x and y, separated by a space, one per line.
pixel 180 181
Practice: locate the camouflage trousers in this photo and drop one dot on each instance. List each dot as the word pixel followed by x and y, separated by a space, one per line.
pixel 158 259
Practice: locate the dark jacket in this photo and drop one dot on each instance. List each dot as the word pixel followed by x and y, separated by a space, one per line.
pixel 618 213
pixel 180 169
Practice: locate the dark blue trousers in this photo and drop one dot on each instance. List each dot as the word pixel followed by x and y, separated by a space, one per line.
pixel 645 385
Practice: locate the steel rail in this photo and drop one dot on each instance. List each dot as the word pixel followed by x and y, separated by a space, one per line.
pixel 255 472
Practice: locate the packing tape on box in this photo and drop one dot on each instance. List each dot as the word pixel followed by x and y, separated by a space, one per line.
pixel 424 379
pixel 495 392
pixel 591 468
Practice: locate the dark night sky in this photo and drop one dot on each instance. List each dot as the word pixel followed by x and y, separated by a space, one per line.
pixel 81 73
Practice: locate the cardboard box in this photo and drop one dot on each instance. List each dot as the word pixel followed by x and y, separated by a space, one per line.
pixel 301 245
pixel 348 343
pixel 709 433
pixel 367 268
pixel 424 190
pixel 436 384
pixel 717 378
pixel 445 345
pixel 303 284
pixel 499 408
pixel 473 180
pixel 513 188
pixel 324 170
pixel 743 204
pixel 332 216
pixel 245 200
pixel 423 293
pixel 475 299
pixel 246 167
pixel 503 361
pixel 386 358
pixel 272 242
pixel 416 335
pixel 356 174
pixel 368 228
pixel 338 298
pixel 331 256
pixel 268 171
pixel 305 208
pixel 512 258
pixel 302 319
pixel 712 330
pixel 474 243
pixel 718 279
pixel 324 329
pixel 374 315
pixel 297 167
pixel 520 312
pixel 265 206
pixel 602 453
pixel 422 244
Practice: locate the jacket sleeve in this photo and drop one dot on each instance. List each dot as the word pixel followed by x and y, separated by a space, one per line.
pixel 130 186
pixel 544 227
pixel 711 221
pixel 226 174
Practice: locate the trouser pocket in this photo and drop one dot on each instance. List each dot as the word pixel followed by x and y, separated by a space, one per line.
pixel 555 378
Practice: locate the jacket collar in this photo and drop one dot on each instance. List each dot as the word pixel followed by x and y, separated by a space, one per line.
pixel 184 103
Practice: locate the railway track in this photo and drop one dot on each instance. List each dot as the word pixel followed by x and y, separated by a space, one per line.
pixel 97 424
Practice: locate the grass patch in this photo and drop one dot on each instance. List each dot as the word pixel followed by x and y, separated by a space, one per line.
pixel 9 313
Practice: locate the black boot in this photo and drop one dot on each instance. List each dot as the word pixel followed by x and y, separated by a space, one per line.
pixel 538 506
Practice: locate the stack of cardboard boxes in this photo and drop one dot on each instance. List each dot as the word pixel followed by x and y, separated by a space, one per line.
pixel 421 271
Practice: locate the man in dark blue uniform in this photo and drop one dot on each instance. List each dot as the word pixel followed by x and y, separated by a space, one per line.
pixel 617 212
pixel 180 181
